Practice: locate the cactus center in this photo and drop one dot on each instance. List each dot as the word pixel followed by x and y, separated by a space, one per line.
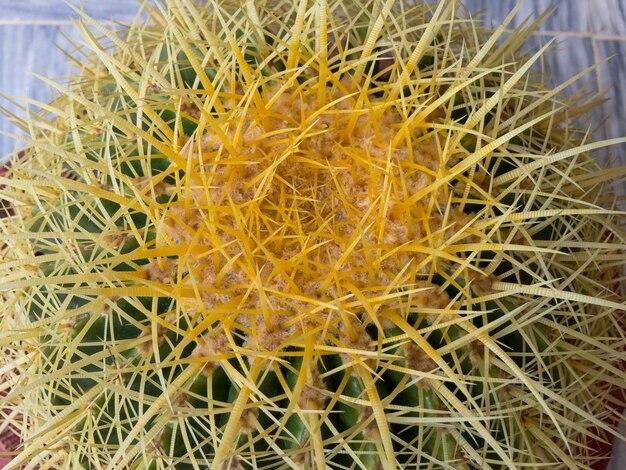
pixel 305 208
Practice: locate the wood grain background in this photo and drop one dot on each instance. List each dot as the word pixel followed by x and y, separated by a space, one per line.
pixel 33 32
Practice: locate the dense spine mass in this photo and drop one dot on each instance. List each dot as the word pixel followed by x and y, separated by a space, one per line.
pixel 314 234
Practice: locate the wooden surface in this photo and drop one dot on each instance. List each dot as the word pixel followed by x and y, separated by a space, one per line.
pixel 590 30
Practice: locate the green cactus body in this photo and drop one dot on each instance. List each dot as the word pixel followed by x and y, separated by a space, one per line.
pixel 345 235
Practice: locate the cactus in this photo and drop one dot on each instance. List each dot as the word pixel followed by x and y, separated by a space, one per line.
pixel 313 234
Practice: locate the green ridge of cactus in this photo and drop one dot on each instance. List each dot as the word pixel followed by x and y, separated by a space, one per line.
pixel 315 234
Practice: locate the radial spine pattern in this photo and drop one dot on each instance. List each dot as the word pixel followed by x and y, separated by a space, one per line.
pixel 315 234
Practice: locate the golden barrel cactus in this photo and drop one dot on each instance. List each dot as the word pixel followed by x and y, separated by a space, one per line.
pixel 310 234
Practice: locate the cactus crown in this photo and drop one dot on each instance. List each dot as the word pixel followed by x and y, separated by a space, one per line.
pixel 309 234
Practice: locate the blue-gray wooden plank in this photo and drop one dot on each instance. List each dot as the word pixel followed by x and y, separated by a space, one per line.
pixel 612 78
pixel 30 33
pixel 25 49
pixel 58 10
pixel 608 17
pixel 571 16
